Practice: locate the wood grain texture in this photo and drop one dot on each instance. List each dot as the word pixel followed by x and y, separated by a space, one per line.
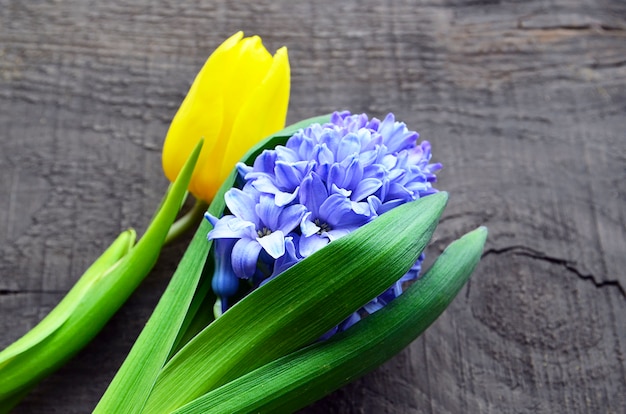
pixel 524 103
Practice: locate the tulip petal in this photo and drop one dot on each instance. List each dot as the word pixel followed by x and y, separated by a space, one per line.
pixel 263 113
pixel 199 116
pixel 194 120
pixel 221 88
pixel 244 68
pixel 252 65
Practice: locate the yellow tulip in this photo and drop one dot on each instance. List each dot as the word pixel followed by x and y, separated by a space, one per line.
pixel 239 97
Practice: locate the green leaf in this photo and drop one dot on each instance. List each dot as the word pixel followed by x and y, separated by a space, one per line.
pixel 176 309
pixel 97 299
pixel 61 313
pixel 18 374
pixel 300 305
pixel 293 128
pixel 298 379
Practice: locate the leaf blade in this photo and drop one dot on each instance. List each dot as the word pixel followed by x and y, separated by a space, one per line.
pixel 298 379
pixel 224 350
pixel 57 317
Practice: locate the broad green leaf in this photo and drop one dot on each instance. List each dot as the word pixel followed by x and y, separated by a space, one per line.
pixel 17 372
pixel 176 309
pixel 98 300
pixel 298 379
pixel 57 317
pixel 300 305
pixel 196 318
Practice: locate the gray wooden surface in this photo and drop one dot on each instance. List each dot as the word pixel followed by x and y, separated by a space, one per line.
pixel 524 103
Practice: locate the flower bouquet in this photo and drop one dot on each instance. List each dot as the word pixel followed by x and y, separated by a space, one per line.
pixel 305 274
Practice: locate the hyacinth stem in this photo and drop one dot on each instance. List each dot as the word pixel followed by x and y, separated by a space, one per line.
pixel 190 220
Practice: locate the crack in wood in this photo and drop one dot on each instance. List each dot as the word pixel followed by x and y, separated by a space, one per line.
pixel 10 292
pixel 534 254
pixel 604 65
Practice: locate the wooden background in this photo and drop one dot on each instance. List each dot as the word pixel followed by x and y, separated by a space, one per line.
pixel 523 102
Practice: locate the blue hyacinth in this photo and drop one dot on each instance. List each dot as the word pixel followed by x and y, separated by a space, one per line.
pixel 327 181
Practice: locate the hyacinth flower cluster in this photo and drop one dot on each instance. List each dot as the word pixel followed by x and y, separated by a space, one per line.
pixel 308 185
pixel 341 207
pixel 325 182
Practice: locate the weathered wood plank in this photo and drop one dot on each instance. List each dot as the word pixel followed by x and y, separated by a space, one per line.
pixel 524 103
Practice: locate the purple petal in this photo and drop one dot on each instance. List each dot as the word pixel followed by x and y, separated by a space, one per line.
pixel 340 232
pixel 350 321
pixel 330 138
pixel 244 257
pixel 264 183
pixel 287 177
pixel 374 203
pixel 287 260
pixel 341 191
pixel 309 245
pixel 336 176
pixel 286 154
pixel 377 171
pixel 323 155
pixel 308 227
pixel 231 227
pixel 313 192
pixel 283 198
pixel 397 136
pixel 241 204
pixel 396 174
pixel 273 244
pixel 334 208
pixel 398 191
pixel 373 306
pixel 290 218
pixel 240 227
pixel 301 144
pixel 329 333
pixel 361 208
pixel 268 212
pixel 366 188
pixel 243 169
pixel 367 158
pixel 265 162
pixel 349 146
pixel 402 139
pixel 338 117
pixel 389 161
pixel 354 173
pixel 388 205
pixel 224 283
pixel 211 218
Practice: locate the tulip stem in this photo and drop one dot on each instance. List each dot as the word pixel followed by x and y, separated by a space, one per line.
pixel 186 222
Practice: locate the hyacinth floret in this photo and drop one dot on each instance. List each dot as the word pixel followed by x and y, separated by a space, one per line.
pixel 325 182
